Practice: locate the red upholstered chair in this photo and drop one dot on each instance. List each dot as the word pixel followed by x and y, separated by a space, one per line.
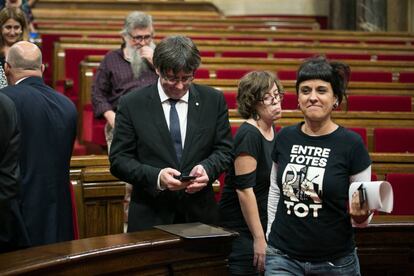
pixel 395 57
pixel 73 57
pixel 374 177
pixel 231 73
pixel 403 188
pixel 300 55
pixel 362 132
pixel 394 140
pixel 342 56
pixel 244 54
pixel 92 129
pixel 234 129
pixel 407 77
pixel 371 76
pixel 286 75
pixel 202 73
pixel 207 53
pixel 290 101
pixel 246 38
pixel 231 99
pixel 379 103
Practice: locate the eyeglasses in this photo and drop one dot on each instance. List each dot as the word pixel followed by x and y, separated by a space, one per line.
pixel 175 80
pixel 140 38
pixel 269 99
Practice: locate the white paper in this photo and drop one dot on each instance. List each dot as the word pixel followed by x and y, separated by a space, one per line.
pixel 379 195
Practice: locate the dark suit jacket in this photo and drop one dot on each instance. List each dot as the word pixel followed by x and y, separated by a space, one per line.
pixel 142 146
pixel 47 121
pixel 13 233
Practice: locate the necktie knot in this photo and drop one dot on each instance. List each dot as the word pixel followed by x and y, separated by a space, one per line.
pixel 173 101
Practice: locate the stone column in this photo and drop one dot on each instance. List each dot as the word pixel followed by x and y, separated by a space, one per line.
pixel 342 15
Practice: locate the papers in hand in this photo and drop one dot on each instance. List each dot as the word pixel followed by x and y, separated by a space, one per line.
pixel 379 194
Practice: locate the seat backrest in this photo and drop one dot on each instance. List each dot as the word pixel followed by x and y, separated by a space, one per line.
pixel 362 132
pixel 403 188
pixel 379 103
pixel 394 139
pixel 371 76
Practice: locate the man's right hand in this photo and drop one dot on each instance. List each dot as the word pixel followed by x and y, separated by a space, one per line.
pixel 167 180
pixel 110 117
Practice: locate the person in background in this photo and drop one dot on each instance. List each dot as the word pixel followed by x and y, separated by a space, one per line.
pixel 125 69
pixel 13 234
pixel 13 29
pixel 168 130
pixel 243 205
pixel 25 6
pixel 122 71
pixel 47 122
pixel 314 163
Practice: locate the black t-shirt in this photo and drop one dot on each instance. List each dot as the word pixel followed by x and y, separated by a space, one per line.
pixel 248 140
pixel 311 221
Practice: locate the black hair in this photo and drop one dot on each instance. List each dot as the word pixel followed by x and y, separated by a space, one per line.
pixel 319 68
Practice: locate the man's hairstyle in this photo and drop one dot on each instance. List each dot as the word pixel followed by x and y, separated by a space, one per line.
pixel 16 14
pixel 319 68
pixel 176 53
pixel 136 20
pixel 19 61
pixel 251 90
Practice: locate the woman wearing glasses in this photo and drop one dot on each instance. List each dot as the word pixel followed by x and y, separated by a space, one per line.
pixel 314 163
pixel 13 29
pixel 243 206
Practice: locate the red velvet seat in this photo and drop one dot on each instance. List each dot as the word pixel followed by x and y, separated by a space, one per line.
pixel 231 99
pixel 290 101
pixel 395 57
pixel 347 56
pixel 286 75
pixel 207 53
pixel 371 76
pixel 379 103
pixel 244 54
pixel 231 73
pixel 394 140
pixel 202 73
pixel 361 131
pixel 403 188
pixel 73 58
pixel 92 128
pixel 299 55
pixel 406 77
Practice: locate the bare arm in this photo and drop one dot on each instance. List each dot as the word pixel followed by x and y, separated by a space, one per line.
pixel 245 164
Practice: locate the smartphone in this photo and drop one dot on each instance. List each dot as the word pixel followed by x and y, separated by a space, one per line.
pixel 362 195
pixel 184 178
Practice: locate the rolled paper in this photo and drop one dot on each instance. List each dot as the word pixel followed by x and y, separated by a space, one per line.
pixel 379 194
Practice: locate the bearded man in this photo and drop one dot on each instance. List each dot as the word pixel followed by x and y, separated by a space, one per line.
pixel 125 69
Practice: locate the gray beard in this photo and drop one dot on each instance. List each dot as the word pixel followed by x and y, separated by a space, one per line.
pixel 136 61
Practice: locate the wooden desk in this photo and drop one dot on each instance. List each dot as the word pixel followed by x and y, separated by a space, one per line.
pixel 152 252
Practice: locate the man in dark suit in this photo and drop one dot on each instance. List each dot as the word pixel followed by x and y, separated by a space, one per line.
pixel 169 129
pixel 13 233
pixel 47 121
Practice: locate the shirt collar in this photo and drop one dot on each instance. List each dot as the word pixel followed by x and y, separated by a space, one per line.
pixel 164 96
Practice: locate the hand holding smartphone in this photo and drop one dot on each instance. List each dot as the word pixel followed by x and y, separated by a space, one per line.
pixel 362 195
pixel 184 178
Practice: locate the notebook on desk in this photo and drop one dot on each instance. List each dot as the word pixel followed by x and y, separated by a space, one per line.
pixel 195 230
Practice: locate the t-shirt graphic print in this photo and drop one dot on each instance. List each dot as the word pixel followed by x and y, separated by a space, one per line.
pixel 302 180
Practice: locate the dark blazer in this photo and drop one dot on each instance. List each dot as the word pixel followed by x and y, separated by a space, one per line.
pixel 47 121
pixel 13 234
pixel 142 146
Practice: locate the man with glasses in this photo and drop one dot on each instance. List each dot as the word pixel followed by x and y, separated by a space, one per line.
pixel 124 69
pixel 172 140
